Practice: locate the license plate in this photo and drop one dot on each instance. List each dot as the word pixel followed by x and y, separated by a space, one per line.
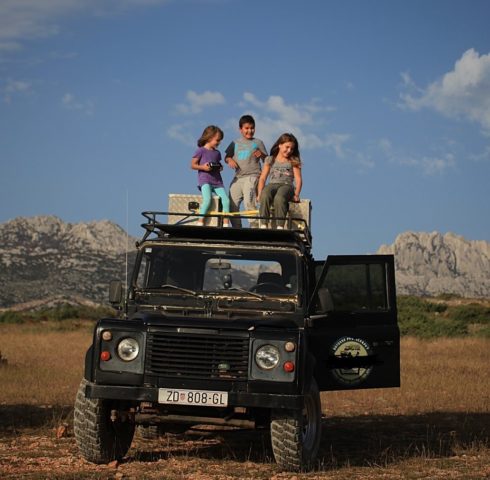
pixel 206 398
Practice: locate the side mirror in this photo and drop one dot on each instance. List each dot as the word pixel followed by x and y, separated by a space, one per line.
pixel 325 301
pixel 115 292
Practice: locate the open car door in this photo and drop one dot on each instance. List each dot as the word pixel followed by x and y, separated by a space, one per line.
pixel 353 334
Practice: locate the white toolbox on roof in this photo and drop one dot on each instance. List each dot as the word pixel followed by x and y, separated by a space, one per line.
pixel 188 204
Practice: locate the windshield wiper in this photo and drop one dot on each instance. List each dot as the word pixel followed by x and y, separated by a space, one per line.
pixel 238 289
pixel 181 289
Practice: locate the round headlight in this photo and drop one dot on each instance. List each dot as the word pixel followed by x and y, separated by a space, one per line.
pixel 267 357
pixel 128 349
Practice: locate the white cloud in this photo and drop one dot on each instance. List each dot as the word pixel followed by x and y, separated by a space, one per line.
pixel 336 141
pixel 463 92
pixel 275 116
pixel 428 164
pixel 434 165
pixel 291 114
pixel 181 134
pixel 483 156
pixel 308 121
pixel 22 20
pixel 70 102
pixel 9 46
pixel 14 87
pixel 196 102
pixel 27 19
pixel 385 146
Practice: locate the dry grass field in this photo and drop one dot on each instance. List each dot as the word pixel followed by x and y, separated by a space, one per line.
pixel 436 426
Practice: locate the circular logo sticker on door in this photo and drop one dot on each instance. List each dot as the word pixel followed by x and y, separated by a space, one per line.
pixel 346 349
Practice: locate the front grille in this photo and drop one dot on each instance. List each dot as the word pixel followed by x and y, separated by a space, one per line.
pixel 198 356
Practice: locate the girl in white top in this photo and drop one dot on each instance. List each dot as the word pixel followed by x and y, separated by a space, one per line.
pixel 283 168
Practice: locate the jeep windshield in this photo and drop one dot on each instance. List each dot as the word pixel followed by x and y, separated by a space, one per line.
pixel 247 276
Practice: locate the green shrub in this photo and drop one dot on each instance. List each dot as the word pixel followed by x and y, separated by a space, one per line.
pixel 425 319
pixel 483 332
pixel 58 313
pixel 472 313
pixel 448 296
pixel 11 317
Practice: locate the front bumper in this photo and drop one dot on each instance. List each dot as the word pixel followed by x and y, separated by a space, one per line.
pixel 235 399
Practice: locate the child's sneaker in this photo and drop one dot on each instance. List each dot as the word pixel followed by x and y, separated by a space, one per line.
pixel 200 223
pixel 279 227
pixel 263 225
pixel 226 224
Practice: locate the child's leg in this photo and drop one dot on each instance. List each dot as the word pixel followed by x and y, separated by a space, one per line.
pixel 283 195
pixel 225 202
pixel 250 192
pixel 206 191
pixel 266 201
pixel 250 195
pixel 236 197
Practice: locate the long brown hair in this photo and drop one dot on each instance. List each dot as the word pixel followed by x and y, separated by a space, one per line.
pixel 295 157
pixel 208 133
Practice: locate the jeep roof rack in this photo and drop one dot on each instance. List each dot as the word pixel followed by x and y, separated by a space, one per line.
pixel 296 228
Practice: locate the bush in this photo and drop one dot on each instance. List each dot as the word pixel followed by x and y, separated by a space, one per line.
pixel 11 317
pixel 425 319
pixel 58 313
pixel 472 313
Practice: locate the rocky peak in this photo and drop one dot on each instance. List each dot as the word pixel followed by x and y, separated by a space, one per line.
pixel 44 257
pixel 51 232
pixel 433 263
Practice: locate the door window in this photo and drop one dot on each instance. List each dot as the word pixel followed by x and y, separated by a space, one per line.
pixel 357 287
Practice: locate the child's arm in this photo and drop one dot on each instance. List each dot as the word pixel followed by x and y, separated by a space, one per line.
pixel 229 152
pixel 263 177
pixel 231 163
pixel 298 182
pixel 195 165
pixel 260 152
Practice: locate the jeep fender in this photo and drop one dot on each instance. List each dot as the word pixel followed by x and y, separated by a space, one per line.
pixel 89 364
pixel 310 362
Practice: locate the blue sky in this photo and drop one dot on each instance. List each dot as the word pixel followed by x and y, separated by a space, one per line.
pixel 103 100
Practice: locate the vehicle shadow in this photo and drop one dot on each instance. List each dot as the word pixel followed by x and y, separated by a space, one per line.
pixel 355 441
pixel 14 418
pixel 364 440
pixel 385 439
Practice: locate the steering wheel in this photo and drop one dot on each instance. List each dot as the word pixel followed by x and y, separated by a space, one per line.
pixel 269 287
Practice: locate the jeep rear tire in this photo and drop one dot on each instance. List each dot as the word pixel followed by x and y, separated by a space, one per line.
pixel 99 439
pixel 295 435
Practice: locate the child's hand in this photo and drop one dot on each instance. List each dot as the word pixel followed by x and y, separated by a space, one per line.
pixel 207 167
pixel 296 198
pixel 232 163
pixel 257 153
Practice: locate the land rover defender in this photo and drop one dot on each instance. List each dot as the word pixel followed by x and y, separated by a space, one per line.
pixel 235 326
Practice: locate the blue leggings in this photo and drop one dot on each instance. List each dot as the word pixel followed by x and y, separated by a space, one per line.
pixel 207 191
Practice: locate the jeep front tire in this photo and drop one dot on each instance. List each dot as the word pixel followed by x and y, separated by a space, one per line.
pixel 99 439
pixel 295 435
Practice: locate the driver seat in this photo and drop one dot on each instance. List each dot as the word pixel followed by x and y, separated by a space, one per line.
pixel 270 277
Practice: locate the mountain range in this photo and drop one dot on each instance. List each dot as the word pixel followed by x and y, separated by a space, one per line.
pixel 44 258
pixel 429 264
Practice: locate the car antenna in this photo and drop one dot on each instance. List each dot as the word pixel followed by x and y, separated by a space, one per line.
pixel 127 238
